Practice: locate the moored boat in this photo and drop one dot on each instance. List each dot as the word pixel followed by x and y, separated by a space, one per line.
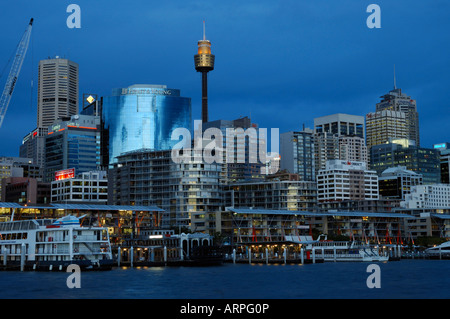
pixel 330 250
pixel 441 251
pixel 49 244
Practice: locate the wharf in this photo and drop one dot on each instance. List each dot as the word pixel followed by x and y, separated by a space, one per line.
pixel 275 261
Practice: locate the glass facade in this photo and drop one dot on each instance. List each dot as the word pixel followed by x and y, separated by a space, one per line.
pixel 72 144
pixel 144 117
pixel 420 160
pixel 297 154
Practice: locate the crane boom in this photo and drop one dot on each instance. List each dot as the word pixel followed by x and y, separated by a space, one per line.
pixel 14 72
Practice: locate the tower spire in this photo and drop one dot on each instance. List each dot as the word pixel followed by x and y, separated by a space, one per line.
pixel 204 30
pixel 395 84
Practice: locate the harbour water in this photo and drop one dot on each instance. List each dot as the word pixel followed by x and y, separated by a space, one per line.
pixel 405 279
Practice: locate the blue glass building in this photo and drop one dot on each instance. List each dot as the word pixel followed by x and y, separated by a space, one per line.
pixel 72 142
pixel 144 117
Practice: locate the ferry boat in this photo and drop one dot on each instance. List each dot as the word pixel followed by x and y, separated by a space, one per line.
pixel 441 251
pixel 49 244
pixel 348 251
pixel 329 250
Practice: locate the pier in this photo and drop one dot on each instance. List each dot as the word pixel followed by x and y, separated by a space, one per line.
pixel 274 253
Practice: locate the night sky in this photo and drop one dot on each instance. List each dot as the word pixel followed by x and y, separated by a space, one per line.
pixel 282 63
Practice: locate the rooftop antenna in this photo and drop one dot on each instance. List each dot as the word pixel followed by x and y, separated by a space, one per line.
pixel 204 30
pixel 395 85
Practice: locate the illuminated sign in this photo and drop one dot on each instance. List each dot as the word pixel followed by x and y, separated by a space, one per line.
pixel 64 174
pixel 146 91
pixel 442 145
pixel 90 99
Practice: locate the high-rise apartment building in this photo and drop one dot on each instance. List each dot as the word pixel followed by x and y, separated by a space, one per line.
pixel 326 148
pixel 189 191
pixel 397 101
pixel 353 149
pixel 57 90
pixel 272 194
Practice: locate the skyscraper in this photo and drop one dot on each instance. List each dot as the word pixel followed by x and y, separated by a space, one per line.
pixel 57 98
pixel 240 149
pixel 384 125
pixel 397 101
pixel 143 117
pixel 329 141
pixel 57 90
pixel 72 143
pixel 444 154
pixel 421 160
pixel 204 62
pixel 340 124
pixel 297 154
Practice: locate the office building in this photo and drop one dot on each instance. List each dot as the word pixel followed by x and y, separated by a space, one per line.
pixel 384 125
pixel 428 196
pixel 144 117
pixel 342 180
pixel 444 153
pixel 57 90
pixel 72 143
pixel 396 182
pixel 24 191
pixel 297 154
pixel 33 146
pixel 397 101
pixel 57 98
pixel 88 188
pixel 19 167
pixel 341 125
pixel 420 160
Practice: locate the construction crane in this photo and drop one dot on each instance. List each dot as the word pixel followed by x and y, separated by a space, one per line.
pixel 14 72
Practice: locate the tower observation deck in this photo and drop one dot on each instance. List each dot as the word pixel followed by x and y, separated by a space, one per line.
pixel 204 62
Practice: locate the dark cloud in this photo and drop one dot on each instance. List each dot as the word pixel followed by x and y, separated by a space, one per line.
pixel 282 62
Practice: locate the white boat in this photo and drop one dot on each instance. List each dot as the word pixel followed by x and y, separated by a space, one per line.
pixel 347 251
pixel 328 250
pixel 441 251
pixel 48 244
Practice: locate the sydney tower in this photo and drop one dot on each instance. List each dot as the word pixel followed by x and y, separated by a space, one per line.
pixel 204 62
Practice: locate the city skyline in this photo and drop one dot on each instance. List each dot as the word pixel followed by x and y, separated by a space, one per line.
pixel 281 64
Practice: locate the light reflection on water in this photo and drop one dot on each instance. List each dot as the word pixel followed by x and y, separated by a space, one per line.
pixel 401 279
